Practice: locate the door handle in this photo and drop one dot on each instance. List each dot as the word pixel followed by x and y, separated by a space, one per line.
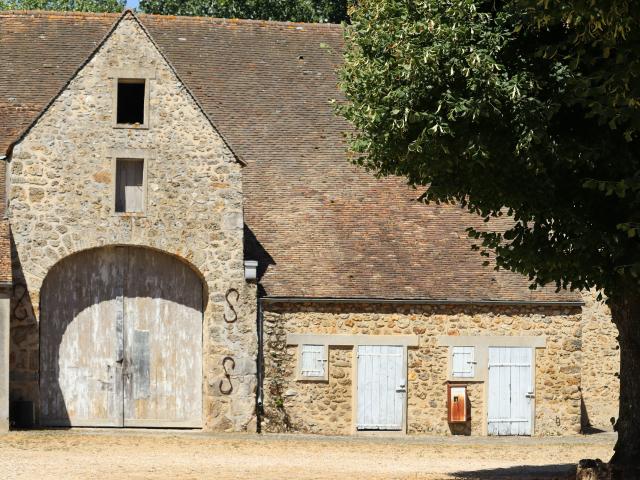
pixel 530 395
pixel 401 388
pixel 120 360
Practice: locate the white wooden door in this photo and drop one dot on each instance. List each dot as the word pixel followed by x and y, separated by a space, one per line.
pixel 510 391
pixel 381 387
pixel 121 341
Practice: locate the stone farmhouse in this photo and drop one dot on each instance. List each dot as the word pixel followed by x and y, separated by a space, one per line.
pixel 185 244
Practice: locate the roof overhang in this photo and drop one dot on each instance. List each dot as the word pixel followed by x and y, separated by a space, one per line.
pixel 423 301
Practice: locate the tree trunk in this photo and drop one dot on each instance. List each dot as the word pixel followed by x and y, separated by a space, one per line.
pixel 625 312
pixel 593 470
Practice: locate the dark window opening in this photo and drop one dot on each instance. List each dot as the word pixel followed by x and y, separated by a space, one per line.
pixel 129 185
pixel 131 101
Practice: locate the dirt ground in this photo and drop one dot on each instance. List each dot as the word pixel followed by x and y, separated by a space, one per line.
pixel 135 454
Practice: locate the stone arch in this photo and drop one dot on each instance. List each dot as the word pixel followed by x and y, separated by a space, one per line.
pixel 80 247
pixel 38 272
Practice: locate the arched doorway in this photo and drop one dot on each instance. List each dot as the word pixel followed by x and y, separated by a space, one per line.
pixel 121 340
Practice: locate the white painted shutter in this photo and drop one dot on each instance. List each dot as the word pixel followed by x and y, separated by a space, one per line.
pixel 130 189
pixel 312 361
pixel 463 362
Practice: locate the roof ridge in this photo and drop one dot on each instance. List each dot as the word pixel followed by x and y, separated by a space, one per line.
pixel 55 13
pixel 247 21
pixel 219 20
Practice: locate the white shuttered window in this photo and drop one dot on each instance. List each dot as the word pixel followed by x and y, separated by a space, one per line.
pixel 463 362
pixel 129 185
pixel 313 361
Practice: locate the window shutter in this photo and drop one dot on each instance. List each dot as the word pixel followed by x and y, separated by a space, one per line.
pixel 129 185
pixel 312 362
pixel 462 362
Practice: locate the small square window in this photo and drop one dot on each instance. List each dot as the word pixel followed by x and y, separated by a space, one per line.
pixel 129 191
pixel 463 362
pixel 131 102
pixel 313 362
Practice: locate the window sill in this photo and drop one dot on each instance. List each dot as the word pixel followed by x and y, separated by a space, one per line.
pixel 301 378
pixel 132 126
pixel 128 214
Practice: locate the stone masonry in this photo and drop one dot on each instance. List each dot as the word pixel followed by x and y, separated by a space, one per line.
pixel 60 203
pixel 326 407
pixel 60 182
pixel 600 365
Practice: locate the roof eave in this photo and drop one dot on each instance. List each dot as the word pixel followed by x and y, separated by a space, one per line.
pixel 424 301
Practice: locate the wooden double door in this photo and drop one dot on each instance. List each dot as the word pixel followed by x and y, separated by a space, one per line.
pixel 121 341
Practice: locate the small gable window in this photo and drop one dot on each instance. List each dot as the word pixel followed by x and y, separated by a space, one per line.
pixel 463 362
pixel 312 362
pixel 129 188
pixel 131 100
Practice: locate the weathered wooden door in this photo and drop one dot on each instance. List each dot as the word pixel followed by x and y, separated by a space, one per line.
pixel 121 341
pixel 510 391
pixel 381 387
pixel 162 342
pixel 80 376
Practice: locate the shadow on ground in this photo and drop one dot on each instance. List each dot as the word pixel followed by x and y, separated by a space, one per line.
pixel 562 471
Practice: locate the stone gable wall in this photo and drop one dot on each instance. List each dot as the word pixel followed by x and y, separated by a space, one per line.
pixel 61 203
pixel 327 408
pixel 600 365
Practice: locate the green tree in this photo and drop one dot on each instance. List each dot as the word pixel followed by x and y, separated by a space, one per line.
pixel 64 5
pixel 522 109
pixel 333 11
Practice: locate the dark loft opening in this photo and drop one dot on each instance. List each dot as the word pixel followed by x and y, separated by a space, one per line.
pixel 130 101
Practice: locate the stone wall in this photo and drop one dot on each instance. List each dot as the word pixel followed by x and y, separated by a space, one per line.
pixel 323 403
pixel 326 408
pixel 61 202
pixel 600 365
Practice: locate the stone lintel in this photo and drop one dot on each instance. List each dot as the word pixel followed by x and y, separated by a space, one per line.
pixel 350 340
pixel 485 341
pixel 133 72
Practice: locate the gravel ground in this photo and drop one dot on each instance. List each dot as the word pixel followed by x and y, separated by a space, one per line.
pixel 152 454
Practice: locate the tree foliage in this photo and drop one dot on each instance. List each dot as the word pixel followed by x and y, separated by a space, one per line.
pixel 527 110
pixel 333 11
pixel 518 108
pixel 64 5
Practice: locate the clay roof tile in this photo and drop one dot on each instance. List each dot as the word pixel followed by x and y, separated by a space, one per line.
pixel 320 226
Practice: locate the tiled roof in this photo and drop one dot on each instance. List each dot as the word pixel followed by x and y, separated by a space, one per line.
pixel 320 226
